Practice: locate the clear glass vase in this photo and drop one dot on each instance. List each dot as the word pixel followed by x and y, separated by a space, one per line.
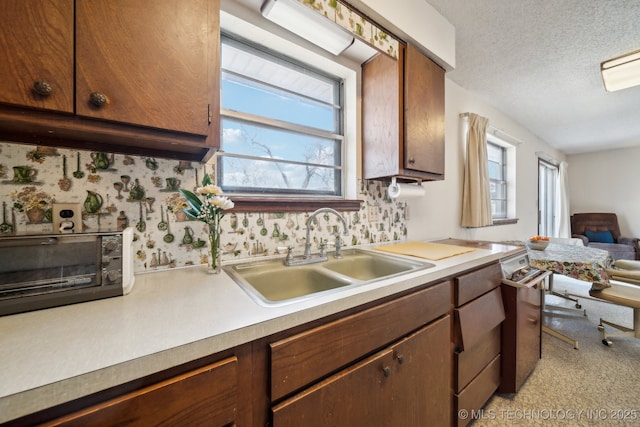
pixel 214 249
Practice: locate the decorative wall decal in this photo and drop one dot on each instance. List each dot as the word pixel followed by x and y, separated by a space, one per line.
pixel 65 182
pixel 78 173
pixel 102 161
pixel 255 234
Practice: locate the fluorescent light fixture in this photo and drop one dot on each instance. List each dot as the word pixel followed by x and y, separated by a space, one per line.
pixel 308 24
pixel 621 72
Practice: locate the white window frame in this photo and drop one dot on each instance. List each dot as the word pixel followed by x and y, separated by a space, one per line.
pixel 242 22
pixel 548 175
pixel 336 134
pixel 510 177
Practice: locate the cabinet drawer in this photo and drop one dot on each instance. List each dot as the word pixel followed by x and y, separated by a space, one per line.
pixel 470 362
pixel 476 283
pixel 475 319
pixel 476 394
pixel 303 358
pixel 206 396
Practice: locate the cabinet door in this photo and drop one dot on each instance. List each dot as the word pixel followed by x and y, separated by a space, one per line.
pixel 357 396
pixel 382 116
pixel 421 377
pixel 423 113
pixel 37 46
pixel 151 60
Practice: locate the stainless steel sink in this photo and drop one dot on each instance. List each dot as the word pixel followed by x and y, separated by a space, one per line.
pixel 272 283
pixel 367 266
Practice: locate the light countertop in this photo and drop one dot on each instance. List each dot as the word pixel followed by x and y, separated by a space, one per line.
pixel 52 356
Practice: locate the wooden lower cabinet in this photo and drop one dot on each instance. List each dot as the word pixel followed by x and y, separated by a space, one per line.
pixel 522 335
pixel 405 384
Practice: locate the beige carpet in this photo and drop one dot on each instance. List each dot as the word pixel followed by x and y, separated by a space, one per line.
pixel 595 385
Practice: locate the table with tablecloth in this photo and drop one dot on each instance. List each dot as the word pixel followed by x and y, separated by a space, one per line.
pixel 578 262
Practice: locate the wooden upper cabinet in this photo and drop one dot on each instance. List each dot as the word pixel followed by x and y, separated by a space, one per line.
pixel 37 54
pixel 135 77
pixel 403 117
pixel 148 62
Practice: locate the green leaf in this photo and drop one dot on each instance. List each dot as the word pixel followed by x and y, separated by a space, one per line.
pixel 206 180
pixel 193 200
pixel 190 213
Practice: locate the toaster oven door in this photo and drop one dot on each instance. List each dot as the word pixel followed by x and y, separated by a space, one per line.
pixel 40 272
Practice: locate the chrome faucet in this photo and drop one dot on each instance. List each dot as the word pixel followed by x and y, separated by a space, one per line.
pixel 307 259
pixel 307 246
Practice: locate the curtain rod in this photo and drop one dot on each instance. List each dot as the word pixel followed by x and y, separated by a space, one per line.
pixel 495 131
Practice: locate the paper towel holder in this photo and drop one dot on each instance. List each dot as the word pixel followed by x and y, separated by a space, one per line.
pixel 394 183
pixel 405 191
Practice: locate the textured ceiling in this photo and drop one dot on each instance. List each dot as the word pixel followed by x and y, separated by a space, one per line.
pixel 538 62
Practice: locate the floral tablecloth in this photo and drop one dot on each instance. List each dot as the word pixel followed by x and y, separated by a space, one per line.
pixel 578 262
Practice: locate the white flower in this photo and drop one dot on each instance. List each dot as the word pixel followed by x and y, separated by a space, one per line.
pixel 221 202
pixel 209 189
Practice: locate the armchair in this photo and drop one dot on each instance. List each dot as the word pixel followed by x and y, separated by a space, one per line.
pixel 601 230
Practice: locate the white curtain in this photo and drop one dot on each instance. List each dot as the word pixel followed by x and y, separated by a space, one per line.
pixel 562 224
pixel 476 198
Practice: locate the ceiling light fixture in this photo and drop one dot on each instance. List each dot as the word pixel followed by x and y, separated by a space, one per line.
pixel 308 24
pixel 621 72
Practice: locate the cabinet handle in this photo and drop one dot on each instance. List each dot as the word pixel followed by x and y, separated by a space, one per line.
pixel 98 99
pixel 400 358
pixel 533 320
pixel 42 88
pixel 412 160
pixel 386 371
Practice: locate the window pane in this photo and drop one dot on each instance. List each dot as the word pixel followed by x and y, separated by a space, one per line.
pixel 496 171
pixel 498 208
pixel 251 97
pixel 498 190
pixel 261 141
pixel 274 176
pixel 495 153
pixel 263 67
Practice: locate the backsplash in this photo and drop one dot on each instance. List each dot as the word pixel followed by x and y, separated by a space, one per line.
pixel 116 190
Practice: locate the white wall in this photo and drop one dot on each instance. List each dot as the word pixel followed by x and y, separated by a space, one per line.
pixel 438 214
pixel 607 181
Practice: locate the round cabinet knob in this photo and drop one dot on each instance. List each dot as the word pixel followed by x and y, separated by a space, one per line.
pixel 42 88
pixel 386 371
pixel 98 99
pixel 400 358
pixel 412 160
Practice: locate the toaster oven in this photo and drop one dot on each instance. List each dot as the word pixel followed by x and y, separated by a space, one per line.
pixel 49 270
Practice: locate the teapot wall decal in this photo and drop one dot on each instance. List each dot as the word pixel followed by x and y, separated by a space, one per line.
pixel 102 160
pixel 136 192
pixel 188 236
pixel 93 202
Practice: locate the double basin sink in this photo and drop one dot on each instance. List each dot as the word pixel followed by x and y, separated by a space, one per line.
pixel 272 283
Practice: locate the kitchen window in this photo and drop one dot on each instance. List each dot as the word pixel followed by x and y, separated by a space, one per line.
pixel 282 125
